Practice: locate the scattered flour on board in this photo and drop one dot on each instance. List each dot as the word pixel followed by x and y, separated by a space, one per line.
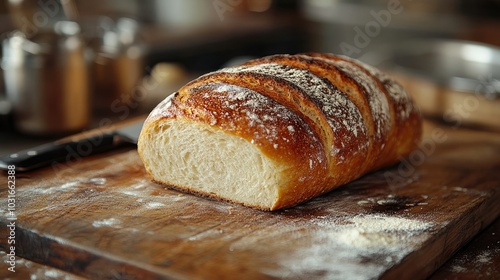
pixel 458 269
pixel 484 258
pixel 340 248
pixel 377 231
pixel 97 181
pixel 478 262
pixel 111 222
pixel 153 205
pixel 61 188
pixel 139 189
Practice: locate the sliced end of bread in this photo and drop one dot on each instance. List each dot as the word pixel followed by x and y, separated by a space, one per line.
pixel 198 158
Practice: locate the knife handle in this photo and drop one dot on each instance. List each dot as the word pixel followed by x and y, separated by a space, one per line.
pixel 59 152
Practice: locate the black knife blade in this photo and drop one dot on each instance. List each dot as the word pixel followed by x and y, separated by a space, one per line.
pixel 61 150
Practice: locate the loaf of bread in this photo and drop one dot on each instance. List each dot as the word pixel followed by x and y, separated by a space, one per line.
pixel 279 130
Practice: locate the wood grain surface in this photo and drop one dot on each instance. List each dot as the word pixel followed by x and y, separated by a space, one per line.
pixel 479 259
pixel 25 269
pixel 101 217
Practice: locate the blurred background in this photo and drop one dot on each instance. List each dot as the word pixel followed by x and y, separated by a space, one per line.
pixel 70 66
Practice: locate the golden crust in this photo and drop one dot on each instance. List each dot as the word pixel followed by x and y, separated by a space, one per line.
pixel 283 92
pixel 312 140
pixel 355 157
pixel 401 140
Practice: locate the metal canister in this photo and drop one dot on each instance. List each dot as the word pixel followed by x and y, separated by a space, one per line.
pixel 118 65
pixel 47 81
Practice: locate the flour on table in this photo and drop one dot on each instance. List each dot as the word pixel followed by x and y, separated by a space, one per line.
pixel 480 263
pixel 138 189
pixel 351 248
pixel 153 205
pixel 98 181
pixel 111 222
pixel 69 186
pixel 484 257
pixel 458 269
pixel 377 231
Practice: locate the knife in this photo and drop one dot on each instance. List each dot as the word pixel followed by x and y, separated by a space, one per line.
pixel 67 150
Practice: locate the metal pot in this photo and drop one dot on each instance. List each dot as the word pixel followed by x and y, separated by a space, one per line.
pixel 46 79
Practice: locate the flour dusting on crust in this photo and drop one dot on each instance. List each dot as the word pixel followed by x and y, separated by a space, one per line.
pixel 342 114
pixel 401 99
pixel 377 100
pixel 161 110
pixel 262 112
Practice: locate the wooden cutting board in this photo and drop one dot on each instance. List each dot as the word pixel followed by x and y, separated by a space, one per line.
pixel 101 217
